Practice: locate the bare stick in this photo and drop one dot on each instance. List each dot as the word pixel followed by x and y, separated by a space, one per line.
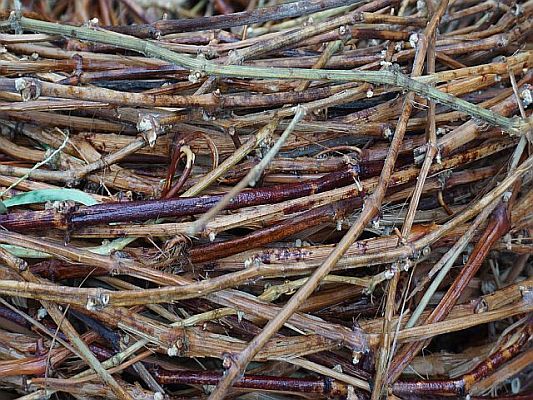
pixel 428 40
pixel 250 178
pixel 200 67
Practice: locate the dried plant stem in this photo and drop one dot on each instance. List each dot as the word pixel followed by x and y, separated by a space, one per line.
pixel 322 189
pixel 312 366
pixel 236 19
pixel 38 325
pixel 89 357
pixel 427 43
pixel 274 383
pixel 144 210
pixel 380 77
pixel 84 297
pixel 266 46
pixel 77 380
pixel 231 161
pixel 231 298
pixel 370 209
pixel 251 178
pixel 335 255
pixel 33 171
pixel 512 368
pixel 312 282
pixel 330 49
pixel 110 159
pixel 497 227
pixel 82 349
pixel 315 217
pixel 463 384
pixel 443 266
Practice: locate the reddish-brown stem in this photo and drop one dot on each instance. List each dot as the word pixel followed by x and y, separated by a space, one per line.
pixel 462 385
pixel 144 210
pixel 173 165
pixel 39 365
pixel 56 270
pixel 276 232
pixel 324 387
pixel 498 226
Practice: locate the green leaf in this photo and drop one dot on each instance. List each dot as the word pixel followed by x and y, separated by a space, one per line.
pixel 44 195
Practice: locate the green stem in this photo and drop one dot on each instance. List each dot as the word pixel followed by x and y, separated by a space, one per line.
pixel 200 67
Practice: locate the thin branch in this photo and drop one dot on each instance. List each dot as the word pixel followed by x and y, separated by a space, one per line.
pixel 200 67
